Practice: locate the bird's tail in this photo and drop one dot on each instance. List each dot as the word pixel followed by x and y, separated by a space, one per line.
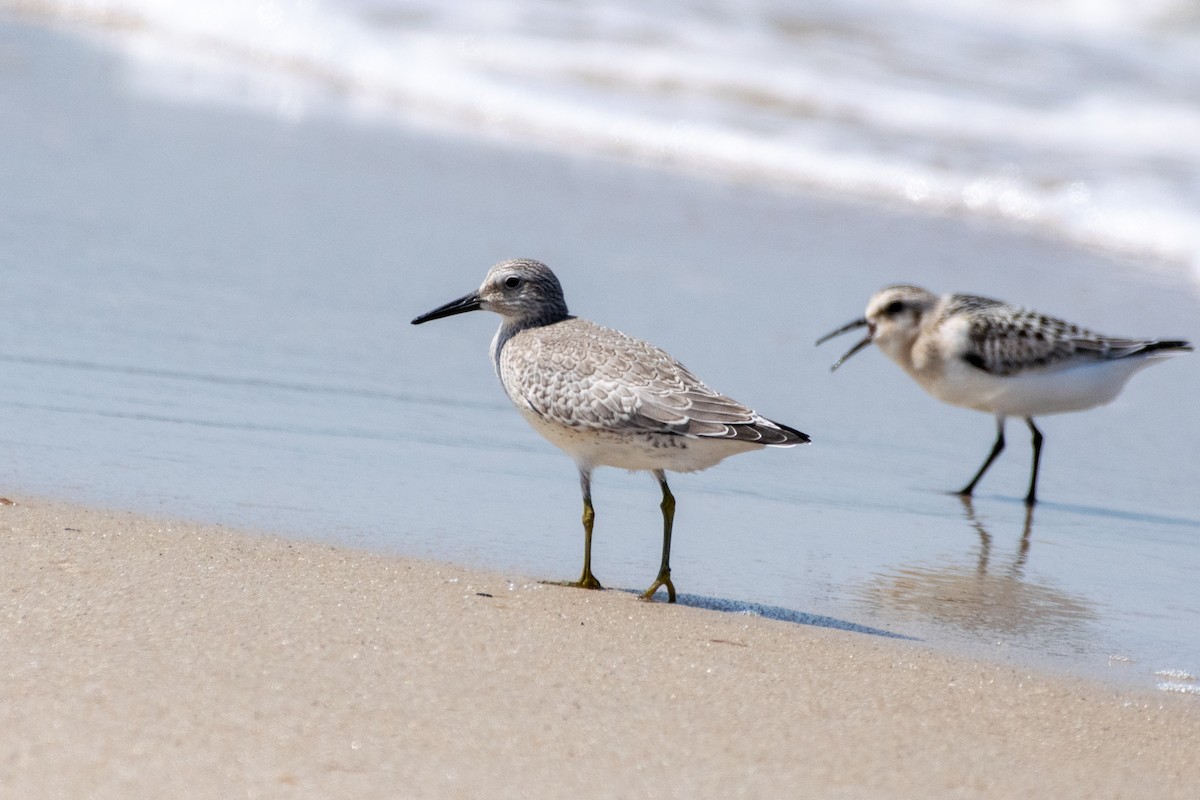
pixel 1168 347
pixel 1108 349
pixel 782 435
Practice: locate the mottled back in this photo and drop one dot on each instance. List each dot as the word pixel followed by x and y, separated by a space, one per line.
pixel 1006 340
pixel 589 377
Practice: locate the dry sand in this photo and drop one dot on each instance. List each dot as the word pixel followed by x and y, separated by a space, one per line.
pixel 152 659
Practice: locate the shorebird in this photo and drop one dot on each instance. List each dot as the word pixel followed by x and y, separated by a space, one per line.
pixel 993 357
pixel 605 398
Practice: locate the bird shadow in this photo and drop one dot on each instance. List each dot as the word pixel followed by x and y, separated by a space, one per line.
pixel 780 614
pixel 1103 512
pixel 1116 513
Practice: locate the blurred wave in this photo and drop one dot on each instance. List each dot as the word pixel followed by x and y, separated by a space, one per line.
pixel 1079 120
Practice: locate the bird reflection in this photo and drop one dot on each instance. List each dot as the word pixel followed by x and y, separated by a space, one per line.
pixel 1017 568
pixel 982 596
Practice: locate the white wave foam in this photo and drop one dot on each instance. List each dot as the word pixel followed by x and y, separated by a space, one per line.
pixel 1079 119
pixel 1179 688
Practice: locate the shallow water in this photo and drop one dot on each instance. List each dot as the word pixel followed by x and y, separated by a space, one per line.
pixel 207 315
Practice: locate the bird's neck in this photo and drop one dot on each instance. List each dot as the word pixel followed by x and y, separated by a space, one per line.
pixel 511 326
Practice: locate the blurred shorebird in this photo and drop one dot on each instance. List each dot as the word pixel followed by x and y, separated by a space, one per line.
pixel 987 355
pixel 605 398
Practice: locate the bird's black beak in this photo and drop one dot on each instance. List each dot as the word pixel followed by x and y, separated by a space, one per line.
pixel 468 302
pixel 858 323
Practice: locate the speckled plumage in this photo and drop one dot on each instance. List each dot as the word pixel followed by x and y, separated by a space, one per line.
pixel 585 376
pixel 1007 340
pixel 606 398
pixel 987 355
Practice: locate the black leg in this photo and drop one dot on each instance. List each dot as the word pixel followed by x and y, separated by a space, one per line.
pixel 997 449
pixel 1031 498
pixel 664 570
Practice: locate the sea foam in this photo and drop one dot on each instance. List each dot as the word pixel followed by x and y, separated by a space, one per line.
pixel 1079 121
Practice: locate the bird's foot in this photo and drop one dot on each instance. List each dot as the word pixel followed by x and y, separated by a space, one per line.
pixel 663 579
pixel 586 581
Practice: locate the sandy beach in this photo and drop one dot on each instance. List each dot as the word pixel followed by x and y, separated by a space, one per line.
pixel 147 658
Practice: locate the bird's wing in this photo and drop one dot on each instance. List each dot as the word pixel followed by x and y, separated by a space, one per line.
pixel 681 403
pixel 586 376
pixel 1004 340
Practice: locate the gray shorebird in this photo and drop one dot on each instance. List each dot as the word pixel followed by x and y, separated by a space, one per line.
pixel 987 355
pixel 605 398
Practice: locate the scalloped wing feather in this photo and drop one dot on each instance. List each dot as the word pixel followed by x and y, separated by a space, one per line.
pixel 558 371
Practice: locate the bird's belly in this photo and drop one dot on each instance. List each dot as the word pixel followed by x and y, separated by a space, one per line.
pixel 1035 392
pixel 636 450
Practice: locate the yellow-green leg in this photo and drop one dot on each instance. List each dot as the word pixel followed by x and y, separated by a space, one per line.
pixel 664 570
pixel 586 580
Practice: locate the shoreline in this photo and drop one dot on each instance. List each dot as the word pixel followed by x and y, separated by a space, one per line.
pixel 1121 676
pixel 147 657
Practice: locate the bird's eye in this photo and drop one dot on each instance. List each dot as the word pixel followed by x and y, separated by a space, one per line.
pixel 894 307
pixel 512 281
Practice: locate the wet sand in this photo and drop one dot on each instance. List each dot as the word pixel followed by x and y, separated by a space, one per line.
pixel 147 658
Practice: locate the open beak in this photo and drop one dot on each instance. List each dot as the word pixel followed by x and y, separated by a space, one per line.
pixel 858 323
pixel 468 302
